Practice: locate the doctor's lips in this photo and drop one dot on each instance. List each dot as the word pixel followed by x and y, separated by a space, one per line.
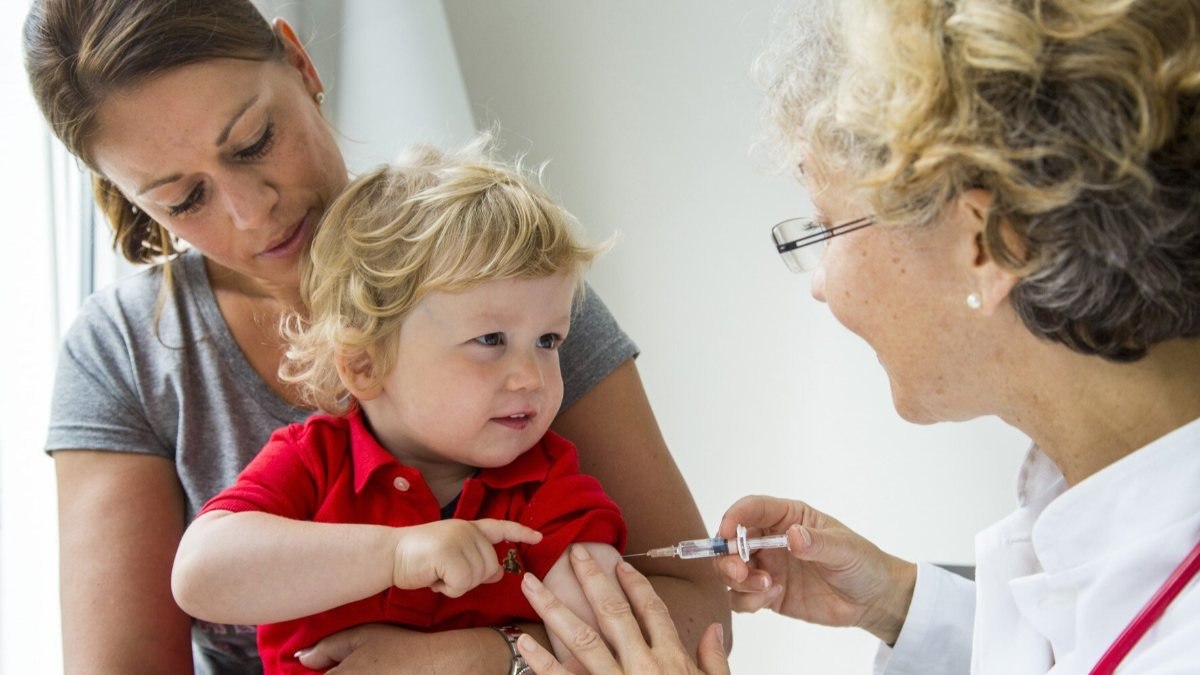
pixel 292 241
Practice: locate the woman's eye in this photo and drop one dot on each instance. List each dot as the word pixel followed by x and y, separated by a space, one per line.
pixel 260 147
pixel 193 201
pixel 549 341
pixel 491 339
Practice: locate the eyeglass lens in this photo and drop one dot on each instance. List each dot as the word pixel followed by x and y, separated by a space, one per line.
pixel 801 242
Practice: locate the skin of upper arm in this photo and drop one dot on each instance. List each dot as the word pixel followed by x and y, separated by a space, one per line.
pixel 120 516
pixel 619 443
pixel 562 581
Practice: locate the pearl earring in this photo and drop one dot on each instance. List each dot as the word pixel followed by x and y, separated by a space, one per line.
pixel 974 301
pixel 133 209
pixel 319 97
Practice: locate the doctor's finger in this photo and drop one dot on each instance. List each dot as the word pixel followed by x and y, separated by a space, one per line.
pixel 748 603
pixel 761 514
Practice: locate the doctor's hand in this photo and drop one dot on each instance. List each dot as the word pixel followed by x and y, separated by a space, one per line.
pixel 830 575
pixel 632 618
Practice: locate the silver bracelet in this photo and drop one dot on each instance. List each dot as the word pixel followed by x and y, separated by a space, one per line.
pixel 510 635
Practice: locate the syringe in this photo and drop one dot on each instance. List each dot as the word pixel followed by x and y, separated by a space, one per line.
pixel 710 548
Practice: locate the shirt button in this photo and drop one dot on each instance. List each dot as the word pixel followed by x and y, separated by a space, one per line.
pixel 401 483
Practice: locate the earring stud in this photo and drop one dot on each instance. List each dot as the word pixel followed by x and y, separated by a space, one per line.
pixel 319 97
pixel 974 301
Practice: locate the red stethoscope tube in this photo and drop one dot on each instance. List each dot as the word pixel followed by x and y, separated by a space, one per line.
pixel 1154 609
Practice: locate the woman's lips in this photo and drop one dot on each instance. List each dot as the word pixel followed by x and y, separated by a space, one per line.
pixel 290 244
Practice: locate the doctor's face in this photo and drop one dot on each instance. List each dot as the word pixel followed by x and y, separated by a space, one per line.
pixel 232 156
pixel 895 286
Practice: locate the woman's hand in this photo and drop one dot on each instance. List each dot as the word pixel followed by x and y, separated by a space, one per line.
pixel 453 556
pixel 830 575
pixel 382 648
pixel 623 613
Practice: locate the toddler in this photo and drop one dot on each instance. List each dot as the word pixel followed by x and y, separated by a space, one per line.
pixel 438 291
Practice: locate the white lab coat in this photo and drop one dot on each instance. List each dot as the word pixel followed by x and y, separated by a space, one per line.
pixel 1061 577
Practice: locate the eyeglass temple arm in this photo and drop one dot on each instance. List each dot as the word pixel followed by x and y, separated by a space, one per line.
pixel 807 240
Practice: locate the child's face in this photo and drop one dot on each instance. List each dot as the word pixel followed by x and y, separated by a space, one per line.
pixel 476 380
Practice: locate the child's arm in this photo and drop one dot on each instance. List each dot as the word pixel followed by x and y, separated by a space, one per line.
pixel 254 567
pixel 561 580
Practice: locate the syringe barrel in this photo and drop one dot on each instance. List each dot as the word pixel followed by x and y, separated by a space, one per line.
pixel 703 548
pixel 769 541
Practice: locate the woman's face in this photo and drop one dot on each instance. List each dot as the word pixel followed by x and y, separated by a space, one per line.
pixel 232 156
pixel 901 289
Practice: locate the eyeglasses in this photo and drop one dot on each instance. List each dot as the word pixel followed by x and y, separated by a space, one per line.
pixel 801 241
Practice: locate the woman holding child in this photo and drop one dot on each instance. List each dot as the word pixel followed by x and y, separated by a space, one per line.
pixel 202 124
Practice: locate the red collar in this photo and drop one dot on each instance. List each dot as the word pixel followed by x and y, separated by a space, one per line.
pixel 368 456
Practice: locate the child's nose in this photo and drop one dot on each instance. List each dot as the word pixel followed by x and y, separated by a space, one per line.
pixel 525 373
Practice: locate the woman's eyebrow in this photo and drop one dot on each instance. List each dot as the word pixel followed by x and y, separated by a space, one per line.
pixel 221 138
pixel 224 136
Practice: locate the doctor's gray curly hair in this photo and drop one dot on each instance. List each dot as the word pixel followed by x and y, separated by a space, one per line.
pixel 1080 117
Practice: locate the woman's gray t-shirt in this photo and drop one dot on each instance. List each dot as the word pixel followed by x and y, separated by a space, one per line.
pixel 186 392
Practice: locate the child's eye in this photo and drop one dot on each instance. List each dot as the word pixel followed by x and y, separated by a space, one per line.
pixel 491 339
pixel 549 341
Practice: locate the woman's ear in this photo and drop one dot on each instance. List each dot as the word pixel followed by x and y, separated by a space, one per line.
pixel 991 282
pixel 357 373
pixel 297 57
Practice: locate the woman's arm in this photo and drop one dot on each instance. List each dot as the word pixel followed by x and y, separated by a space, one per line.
pixel 619 443
pixel 120 517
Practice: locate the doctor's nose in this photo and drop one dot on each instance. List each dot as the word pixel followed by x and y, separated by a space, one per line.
pixel 817 287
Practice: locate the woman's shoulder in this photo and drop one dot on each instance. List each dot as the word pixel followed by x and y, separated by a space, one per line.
pixel 135 305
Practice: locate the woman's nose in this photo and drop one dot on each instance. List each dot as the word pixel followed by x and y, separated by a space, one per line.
pixel 249 201
pixel 818 284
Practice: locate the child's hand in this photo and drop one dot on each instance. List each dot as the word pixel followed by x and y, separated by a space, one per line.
pixel 453 556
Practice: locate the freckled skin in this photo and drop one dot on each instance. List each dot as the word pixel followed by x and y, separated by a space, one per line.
pixel 901 288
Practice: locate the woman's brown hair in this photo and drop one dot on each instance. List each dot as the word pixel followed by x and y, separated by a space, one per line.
pixel 78 52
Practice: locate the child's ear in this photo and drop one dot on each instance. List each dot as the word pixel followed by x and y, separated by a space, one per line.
pixel 357 373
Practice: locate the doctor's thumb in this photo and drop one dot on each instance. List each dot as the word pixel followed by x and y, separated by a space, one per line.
pixel 830 547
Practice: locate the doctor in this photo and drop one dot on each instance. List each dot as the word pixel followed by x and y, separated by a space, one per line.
pixel 1007 209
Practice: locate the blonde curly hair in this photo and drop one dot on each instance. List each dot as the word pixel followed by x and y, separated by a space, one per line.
pixel 434 221
pixel 1080 117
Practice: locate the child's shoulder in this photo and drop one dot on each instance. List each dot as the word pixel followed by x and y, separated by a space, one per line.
pixel 560 454
pixel 317 427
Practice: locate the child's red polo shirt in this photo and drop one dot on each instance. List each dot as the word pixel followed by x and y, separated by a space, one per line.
pixel 331 469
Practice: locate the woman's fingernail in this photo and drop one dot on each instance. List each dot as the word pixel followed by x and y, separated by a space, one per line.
pixel 301 653
pixel 625 566
pixel 531 582
pixel 764 583
pixel 721 634
pixel 580 552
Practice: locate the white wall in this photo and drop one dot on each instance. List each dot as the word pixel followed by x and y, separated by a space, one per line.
pixel 648 114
